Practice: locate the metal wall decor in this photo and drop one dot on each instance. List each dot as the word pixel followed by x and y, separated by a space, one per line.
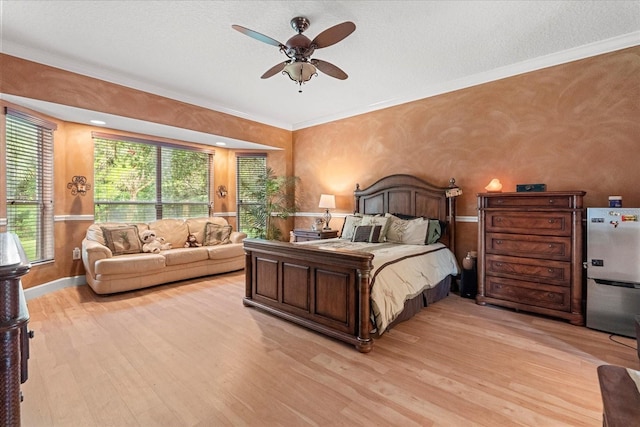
pixel 78 185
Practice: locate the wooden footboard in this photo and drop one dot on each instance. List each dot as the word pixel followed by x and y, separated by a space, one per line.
pixel 327 291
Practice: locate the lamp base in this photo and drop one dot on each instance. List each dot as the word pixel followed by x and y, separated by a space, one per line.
pixel 327 219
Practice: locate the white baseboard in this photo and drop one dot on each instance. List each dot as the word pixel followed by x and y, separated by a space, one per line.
pixel 462 218
pixel 46 288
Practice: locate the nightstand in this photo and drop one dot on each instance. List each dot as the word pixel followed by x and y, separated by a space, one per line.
pixel 304 235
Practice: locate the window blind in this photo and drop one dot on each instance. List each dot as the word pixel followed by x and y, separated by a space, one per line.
pixel 139 180
pixel 29 182
pixel 249 169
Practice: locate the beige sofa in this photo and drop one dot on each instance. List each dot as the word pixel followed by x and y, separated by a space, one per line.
pixel 114 261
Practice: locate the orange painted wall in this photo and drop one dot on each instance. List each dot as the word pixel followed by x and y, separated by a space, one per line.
pixel 573 127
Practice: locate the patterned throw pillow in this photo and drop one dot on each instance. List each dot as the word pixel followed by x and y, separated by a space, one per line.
pixel 367 233
pixel 216 234
pixel 122 239
pixel 434 233
pixel 349 226
pixel 408 232
pixel 383 221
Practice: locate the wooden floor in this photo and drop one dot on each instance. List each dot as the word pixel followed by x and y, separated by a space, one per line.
pixel 190 354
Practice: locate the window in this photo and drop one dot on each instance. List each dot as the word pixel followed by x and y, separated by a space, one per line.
pixel 29 180
pixel 250 172
pixel 138 180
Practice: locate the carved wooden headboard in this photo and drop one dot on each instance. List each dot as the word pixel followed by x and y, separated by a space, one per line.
pixel 409 195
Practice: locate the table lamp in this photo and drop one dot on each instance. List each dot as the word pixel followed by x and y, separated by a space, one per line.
pixel 327 201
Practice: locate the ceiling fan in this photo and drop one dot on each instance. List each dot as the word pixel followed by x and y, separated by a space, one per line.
pixel 300 67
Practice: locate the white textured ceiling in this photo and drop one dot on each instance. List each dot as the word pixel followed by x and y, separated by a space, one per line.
pixel 400 50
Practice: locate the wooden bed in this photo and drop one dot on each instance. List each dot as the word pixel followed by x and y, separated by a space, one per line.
pixel 329 292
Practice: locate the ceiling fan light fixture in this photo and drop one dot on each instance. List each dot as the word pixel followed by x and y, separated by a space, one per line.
pixel 300 72
pixel 299 66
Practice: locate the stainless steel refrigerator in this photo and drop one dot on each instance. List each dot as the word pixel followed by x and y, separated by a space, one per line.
pixel 613 269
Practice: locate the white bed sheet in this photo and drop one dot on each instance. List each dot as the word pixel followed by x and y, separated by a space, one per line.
pixel 400 272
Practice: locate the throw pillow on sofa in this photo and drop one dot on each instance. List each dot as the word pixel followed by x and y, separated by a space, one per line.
pixel 122 239
pixel 216 234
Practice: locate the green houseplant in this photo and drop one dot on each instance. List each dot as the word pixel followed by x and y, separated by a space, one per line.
pixel 278 200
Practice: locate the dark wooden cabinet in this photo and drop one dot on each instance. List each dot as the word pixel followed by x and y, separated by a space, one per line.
pixel 14 317
pixel 530 252
pixel 304 235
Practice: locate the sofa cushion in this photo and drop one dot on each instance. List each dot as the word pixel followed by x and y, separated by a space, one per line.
pixel 122 239
pixel 185 255
pixel 94 232
pixel 129 264
pixel 197 225
pixel 216 234
pixel 174 231
pixel 231 250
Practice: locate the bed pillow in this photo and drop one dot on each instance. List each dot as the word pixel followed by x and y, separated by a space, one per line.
pixel 349 226
pixel 123 239
pixel 216 234
pixel 367 233
pixel 436 227
pixel 383 221
pixel 434 232
pixel 408 231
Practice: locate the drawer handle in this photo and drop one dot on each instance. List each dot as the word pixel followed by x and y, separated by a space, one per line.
pixel 552 221
pixel 499 201
pixel 551 201
pixel 498 219
pixel 550 270
pixel 498 264
pixel 498 242
pixel 551 245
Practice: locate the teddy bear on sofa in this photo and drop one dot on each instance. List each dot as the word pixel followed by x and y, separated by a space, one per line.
pixel 152 243
pixel 192 241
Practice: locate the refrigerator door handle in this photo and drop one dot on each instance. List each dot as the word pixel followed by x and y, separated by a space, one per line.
pixel 617 283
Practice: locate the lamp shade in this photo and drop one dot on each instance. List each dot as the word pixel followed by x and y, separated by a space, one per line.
pixel 327 201
pixel 299 71
pixel 495 186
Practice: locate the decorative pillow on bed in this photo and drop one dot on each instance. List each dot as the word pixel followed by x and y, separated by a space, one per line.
pixel 349 226
pixel 436 227
pixel 216 234
pixel 408 231
pixel 367 233
pixel 381 220
pixel 435 231
pixel 122 239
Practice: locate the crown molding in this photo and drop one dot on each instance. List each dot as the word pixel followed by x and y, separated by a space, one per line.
pixel 558 58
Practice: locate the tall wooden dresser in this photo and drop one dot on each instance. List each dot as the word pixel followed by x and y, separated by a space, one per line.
pixel 530 252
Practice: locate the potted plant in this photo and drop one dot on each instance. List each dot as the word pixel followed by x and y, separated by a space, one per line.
pixel 279 202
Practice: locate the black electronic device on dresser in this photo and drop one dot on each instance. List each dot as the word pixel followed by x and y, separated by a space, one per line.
pixel 531 252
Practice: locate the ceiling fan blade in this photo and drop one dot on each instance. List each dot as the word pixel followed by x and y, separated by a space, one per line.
pixel 256 35
pixel 329 69
pixel 334 34
pixel 273 70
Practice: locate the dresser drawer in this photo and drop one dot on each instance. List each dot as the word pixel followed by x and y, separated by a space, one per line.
pixel 523 292
pixel 542 223
pixel 531 201
pixel 528 246
pixel 529 269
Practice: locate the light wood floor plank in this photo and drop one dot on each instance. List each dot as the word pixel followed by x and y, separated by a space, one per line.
pixel 190 354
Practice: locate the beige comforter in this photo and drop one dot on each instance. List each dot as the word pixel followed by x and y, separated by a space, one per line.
pixel 400 272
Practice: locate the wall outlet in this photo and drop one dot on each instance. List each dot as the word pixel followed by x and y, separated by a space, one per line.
pixel 76 253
